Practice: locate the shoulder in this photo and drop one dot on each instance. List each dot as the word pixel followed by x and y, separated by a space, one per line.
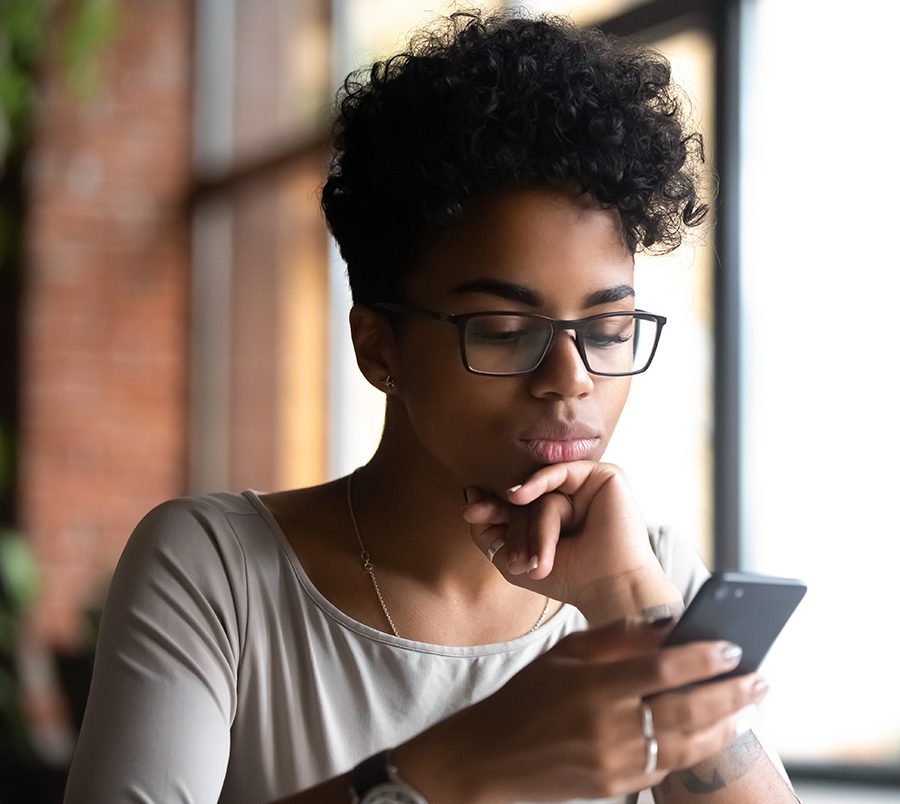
pixel 189 545
pixel 192 525
pixel 679 560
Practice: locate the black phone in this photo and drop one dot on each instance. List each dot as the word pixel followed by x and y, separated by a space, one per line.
pixel 741 607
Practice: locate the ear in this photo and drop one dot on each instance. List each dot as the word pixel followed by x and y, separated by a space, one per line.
pixel 374 345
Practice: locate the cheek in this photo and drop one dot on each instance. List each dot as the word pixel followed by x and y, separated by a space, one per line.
pixel 612 394
pixel 466 423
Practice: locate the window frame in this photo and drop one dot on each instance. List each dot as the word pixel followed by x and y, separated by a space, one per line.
pixel 647 22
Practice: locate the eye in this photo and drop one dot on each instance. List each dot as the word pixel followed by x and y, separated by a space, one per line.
pixel 486 335
pixel 498 330
pixel 608 332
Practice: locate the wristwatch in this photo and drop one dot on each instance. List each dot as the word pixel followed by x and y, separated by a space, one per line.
pixel 375 781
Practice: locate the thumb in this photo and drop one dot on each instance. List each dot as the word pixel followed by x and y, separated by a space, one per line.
pixel 623 639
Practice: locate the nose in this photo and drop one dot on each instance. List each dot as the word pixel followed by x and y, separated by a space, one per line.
pixel 562 373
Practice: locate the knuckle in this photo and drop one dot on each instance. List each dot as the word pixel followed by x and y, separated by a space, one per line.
pixel 604 764
pixel 684 715
pixel 664 672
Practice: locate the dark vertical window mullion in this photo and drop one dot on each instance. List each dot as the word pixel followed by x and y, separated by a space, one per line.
pixel 728 511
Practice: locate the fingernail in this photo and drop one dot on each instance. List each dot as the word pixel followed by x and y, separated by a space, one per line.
pixel 513 557
pixel 466 495
pixel 760 688
pixel 512 489
pixel 731 653
pixel 533 564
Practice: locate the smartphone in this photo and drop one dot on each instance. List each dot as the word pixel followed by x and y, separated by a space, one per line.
pixel 747 609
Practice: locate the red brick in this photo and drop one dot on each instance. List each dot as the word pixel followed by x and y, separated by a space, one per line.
pixel 104 368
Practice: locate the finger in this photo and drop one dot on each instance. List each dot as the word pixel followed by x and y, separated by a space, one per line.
pixel 677 753
pixel 675 667
pixel 519 558
pixel 564 477
pixel 549 515
pixel 621 640
pixel 486 512
pixel 702 707
pixel 490 539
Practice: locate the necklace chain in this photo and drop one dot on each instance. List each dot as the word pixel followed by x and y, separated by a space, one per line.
pixel 369 567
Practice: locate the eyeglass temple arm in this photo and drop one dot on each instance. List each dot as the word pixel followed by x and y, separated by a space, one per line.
pixel 406 309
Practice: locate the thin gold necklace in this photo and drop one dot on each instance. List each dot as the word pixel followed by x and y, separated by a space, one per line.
pixel 369 567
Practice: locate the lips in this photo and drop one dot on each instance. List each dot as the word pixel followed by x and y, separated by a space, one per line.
pixel 559 442
pixel 573 449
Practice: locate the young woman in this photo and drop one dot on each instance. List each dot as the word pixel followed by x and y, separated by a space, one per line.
pixel 477 614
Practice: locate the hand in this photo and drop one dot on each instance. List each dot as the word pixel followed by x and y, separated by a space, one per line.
pixel 567 530
pixel 569 725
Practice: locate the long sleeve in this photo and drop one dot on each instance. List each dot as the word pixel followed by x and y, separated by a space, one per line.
pixel 164 689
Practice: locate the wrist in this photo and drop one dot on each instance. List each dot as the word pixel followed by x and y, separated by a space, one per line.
pixel 638 593
pixel 439 763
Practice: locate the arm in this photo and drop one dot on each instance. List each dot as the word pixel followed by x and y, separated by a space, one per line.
pixel 565 727
pixel 163 693
pixel 595 524
pixel 741 774
pixel 573 531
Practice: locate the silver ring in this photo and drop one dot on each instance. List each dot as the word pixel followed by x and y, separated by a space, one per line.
pixel 495 547
pixel 649 738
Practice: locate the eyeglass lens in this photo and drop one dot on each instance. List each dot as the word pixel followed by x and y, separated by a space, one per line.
pixel 511 344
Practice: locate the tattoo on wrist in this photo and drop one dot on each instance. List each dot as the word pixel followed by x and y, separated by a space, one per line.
pixel 715 773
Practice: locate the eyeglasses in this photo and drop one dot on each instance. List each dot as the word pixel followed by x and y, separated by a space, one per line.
pixel 503 344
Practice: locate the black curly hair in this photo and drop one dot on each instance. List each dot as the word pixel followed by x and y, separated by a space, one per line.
pixel 490 103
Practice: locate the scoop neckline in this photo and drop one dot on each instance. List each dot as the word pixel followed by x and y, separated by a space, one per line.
pixel 548 627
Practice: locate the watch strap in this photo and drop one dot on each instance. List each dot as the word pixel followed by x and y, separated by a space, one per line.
pixel 369 772
pixel 379 770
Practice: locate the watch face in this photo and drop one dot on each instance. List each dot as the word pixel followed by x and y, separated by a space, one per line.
pixel 391 793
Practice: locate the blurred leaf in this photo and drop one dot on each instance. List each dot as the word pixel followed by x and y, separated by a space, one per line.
pixel 22 21
pixel 25 30
pixel 21 26
pixel 92 26
pixel 18 569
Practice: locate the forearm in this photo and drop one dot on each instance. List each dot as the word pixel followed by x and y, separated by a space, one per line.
pixel 742 774
pixel 647 592
pixel 436 762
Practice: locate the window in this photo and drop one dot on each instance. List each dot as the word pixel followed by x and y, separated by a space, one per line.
pixel 821 434
pixel 773 406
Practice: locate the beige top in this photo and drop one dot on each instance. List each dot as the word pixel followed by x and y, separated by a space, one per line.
pixel 222 674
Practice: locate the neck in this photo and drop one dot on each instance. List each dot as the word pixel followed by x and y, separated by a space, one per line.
pixel 409 511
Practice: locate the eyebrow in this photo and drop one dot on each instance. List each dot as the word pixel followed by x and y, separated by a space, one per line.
pixel 524 295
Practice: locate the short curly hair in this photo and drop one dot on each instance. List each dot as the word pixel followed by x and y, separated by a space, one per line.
pixel 500 102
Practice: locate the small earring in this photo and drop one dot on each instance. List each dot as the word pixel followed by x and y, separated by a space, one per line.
pixel 390 383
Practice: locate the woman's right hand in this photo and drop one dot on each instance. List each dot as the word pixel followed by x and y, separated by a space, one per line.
pixel 569 725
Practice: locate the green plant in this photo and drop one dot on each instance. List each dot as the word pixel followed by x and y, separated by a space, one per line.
pixel 26 38
pixel 70 35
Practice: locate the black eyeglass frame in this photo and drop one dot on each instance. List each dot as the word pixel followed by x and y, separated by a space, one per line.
pixel 557 325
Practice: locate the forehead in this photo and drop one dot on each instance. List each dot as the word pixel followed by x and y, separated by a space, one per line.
pixel 556 245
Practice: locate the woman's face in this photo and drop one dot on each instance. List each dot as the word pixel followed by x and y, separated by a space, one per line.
pixel 528 251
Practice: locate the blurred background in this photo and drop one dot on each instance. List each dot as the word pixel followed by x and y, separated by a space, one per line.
pixel 173 321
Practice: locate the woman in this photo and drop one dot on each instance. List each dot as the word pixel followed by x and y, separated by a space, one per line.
pixel 476 615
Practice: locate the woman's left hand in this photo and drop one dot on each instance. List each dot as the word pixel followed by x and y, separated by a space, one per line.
pixel 567 530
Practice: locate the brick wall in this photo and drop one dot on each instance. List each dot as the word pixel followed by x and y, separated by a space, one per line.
pixel 104 362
